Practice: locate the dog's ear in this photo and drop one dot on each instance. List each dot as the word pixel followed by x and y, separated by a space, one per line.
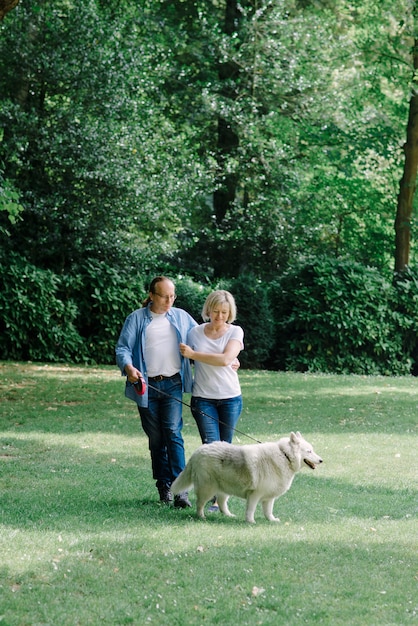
pixel 294 437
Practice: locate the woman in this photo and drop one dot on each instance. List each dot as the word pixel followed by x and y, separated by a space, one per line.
pixel 216 397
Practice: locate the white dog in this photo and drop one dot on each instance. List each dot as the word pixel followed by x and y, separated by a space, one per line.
pixel 255 472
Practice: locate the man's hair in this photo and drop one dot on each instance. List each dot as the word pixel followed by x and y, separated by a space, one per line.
pixel 153 284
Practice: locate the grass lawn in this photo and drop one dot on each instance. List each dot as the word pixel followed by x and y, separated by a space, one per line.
pixel 84 540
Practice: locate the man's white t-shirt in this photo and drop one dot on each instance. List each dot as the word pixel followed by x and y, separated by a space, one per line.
pixel 216 382
pixel 162 353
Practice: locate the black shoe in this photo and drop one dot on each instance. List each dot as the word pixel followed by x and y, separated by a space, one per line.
pixel 166 497
pixel 181 501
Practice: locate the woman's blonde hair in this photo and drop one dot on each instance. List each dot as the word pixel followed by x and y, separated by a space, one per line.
pixel 220 296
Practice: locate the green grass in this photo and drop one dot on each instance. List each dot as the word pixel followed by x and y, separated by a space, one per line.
pixel 84 540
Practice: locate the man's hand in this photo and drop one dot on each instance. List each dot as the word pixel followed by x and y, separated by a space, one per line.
pixel 132 373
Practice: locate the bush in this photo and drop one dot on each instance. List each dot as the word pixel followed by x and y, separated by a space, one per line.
pixel 325 316
pixel 338 316
pixel 191 296
pixel 251 297
pixel 104 296
pixel 255 317
pixel 406 288
pixel 35 323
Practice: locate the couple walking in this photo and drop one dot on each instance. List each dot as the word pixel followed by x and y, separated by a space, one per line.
pixel 155 347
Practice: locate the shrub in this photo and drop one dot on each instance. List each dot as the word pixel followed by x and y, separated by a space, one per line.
pixel 35 323
pixel 255 317
pixel 191 296
pixel 251 297
pixel 327 316
pixel 104 296
pixel 338 316
pixel 406 290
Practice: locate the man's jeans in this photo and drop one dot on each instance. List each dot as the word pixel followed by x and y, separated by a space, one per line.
pixel 162 422
pixel 219 419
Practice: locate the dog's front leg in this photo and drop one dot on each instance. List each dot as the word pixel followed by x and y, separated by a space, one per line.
pixel 252 501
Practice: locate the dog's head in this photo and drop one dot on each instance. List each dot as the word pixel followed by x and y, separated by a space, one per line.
pixel 307 454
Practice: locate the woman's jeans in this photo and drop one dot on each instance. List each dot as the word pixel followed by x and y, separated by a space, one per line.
pixel 216 419
pixel 162 422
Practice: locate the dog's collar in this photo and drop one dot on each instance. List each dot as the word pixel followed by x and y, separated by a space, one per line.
pixel 290 462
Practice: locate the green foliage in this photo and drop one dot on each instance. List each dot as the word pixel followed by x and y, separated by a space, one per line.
pixel 9 202
pixel 109 121
pixel 109 138
pixel 317 165
pixel 191 296
pixel 255 316
pixel 104 297
pixel 74 318
pixel 101 170
pixel 338 316
pixel 35 323
pixel 328 316
pixel 406 291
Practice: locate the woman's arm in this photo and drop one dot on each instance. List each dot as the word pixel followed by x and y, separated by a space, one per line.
pixel 232 350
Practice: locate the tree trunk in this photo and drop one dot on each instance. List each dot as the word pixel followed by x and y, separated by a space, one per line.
pixel 6 6
pixel 228 140
pixel 408 182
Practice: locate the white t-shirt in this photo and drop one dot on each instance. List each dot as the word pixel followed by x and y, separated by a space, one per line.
pixel 216 382
pixel 162 353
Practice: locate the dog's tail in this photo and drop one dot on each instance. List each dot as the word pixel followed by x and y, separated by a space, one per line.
pixel 183 481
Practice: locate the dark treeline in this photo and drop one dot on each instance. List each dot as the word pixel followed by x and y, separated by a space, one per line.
pixel 254 145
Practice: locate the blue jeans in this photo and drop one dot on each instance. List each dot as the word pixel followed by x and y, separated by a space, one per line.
pixel 216 419
pixel 162 422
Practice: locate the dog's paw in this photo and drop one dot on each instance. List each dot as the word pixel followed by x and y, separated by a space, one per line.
pixel 225 511
pixel 273 519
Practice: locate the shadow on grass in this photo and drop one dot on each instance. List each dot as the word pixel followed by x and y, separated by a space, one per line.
pixel 57 399
pixel 56 487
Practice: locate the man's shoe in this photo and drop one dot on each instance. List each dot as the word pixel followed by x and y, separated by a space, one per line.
pixel 166 497
pixel 181 500
pixel 213 505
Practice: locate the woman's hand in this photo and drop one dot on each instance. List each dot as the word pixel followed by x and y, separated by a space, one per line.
pixel 186 351
pixel 236 364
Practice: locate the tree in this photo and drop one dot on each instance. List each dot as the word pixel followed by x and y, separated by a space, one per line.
pixel 221 137
pixel 407 185
pixel 101 171
pixel 301 132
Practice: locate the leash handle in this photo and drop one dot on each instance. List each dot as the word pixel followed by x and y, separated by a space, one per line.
pixel 140 386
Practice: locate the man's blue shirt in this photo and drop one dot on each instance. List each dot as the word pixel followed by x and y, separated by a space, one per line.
pixel 130 348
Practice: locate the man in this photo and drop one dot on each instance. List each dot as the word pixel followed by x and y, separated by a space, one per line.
pixel 148 348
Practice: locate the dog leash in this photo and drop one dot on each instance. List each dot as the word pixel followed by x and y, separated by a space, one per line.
pixel 141 391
